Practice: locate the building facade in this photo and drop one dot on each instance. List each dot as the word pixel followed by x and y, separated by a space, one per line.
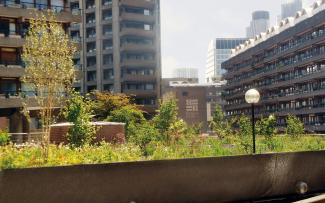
pixel 287 66
pixel 290 8
pixel 219 50
pixel 260 23
pixel 14 23
pixel 168 83
pixel 196 102
pixel 121 40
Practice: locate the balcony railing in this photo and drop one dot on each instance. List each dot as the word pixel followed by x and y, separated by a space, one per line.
pixel 22 4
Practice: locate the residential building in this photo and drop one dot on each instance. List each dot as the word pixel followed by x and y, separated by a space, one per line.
pixel 121 40
pixel 186 73
pixel 290 8
pixel 14 23
pixel 287 66
pixel 219 50
pixel 196 102
pixel 260 23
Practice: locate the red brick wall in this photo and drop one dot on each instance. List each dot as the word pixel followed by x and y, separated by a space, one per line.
pixel 112 133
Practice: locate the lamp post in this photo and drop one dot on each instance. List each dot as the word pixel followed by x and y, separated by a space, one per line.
pixel 252 97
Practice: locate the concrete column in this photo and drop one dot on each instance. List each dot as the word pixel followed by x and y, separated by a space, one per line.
pixel 116 46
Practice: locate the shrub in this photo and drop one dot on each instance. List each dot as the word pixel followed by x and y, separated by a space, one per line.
pixel 4 138
pixel 79 112
pixel 142 135
pixel 128 115
pixel 245 134
pixel 267 128
pixel 294 126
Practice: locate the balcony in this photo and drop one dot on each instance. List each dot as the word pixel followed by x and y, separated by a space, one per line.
pixel 13 99
pixel 137 32
pixel 138 63
pixel 139 3
pixel 137 17
pixel 140 93
pixel 28 11
pixel 138 47
pixel 11 70
pixel 13 40
pixel 140 78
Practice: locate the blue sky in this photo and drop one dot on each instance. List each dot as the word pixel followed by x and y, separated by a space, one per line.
pixel 189 25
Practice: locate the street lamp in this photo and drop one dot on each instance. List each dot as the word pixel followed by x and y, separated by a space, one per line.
pixel 252 97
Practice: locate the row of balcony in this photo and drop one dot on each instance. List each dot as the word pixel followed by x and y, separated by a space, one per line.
pixel 314 55
pixel 280 97
pixel 272 83
pixel 22 9
pixel 268 56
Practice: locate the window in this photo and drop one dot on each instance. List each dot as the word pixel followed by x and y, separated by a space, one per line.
pixel 91 61
pixel 28 3
pixel 90 18
pixel 91 76
pixel 41 4
pixel 107 15
pixel 107 29
pixel 106 2
pixel 108 44
pixel 147 27
pixel 91 47
pixel 146 12
pixel 57 5
pixel 91 32
pixel 109 87
pixel 149 86
pixel 108 74
pixel 108 59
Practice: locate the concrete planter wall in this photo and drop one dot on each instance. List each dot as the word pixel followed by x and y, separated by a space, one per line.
pixel 226 179
pixel 107 131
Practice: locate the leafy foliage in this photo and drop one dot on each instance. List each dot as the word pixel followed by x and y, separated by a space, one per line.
pixel 245 133
pixel 78 111
pixel 294 126
pixel 128 115
pixel 48 53
pixel 220 124
pixel 4 138
pixel 166 117
pixel 107 102
pixel 142 135
pixel 267 128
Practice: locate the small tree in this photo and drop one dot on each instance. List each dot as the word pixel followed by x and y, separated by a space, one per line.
pixel 245 133
pixel 220 124
pixel 47 54
pixel 267 128
pixel 294 126
pixel 167 115
pixel 78 111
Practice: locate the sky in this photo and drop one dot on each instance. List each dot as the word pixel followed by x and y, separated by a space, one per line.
pixel 187 26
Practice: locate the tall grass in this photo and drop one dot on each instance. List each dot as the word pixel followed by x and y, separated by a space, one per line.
pixel 14 157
